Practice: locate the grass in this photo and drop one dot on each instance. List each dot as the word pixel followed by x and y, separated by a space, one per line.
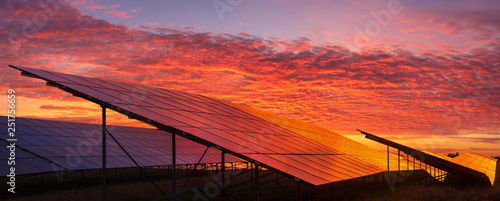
pixel 128 185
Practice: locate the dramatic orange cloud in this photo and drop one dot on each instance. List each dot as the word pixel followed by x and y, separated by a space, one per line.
pixel 384 90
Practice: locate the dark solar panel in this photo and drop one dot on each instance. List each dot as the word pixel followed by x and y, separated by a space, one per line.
pixel 77 146
pixel 219 124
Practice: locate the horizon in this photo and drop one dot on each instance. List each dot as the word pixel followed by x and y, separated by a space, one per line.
pixel 422 74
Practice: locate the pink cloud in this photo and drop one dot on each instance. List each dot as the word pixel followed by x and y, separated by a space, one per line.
pixel 151 23
pixel 120 14
pixel 113 6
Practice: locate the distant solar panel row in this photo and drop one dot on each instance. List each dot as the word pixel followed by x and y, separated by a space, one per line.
pixel 239 132
pixel 478 162
pixel 76 146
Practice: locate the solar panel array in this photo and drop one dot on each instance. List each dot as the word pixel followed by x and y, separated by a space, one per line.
pixel 241 133
pixel 313 154
pixel 332 140
pixel 76 146
pixel 478 162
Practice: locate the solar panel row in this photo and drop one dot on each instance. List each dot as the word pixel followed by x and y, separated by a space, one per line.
pixel 77 146
pixel 330 139
pixel 219 124
pixel 310 153
pixel 478 162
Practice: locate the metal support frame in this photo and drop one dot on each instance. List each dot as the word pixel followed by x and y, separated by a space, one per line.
pixel 194 170
pixel 141 169
pixel 399 161
pixel 252 182
pixel 174 191
pixel 413 163
pixel 256 182
pixel 387 158
pixel 223 166
pixel 103 153
pixel 298 191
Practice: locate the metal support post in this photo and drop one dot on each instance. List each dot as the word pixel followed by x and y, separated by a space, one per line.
pixel 223 166
pixel 103 153
pixel 388 158
pixel 173 167
pixel 298 191
pixel 399 166
pixel 256 182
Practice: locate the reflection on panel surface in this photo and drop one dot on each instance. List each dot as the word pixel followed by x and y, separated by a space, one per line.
pixel 221 124
pixel 310 153
pixel 76 146
pixel 478 162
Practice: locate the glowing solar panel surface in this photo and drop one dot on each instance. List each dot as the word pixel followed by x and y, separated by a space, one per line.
pixel 77 146
pixel 333 140
pixel 478 162
pixel 223 125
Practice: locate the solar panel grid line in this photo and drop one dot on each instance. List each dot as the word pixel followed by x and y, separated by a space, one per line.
pixel 37 155
pixel 229 108
pixel 42 74
pixel 87 164
pixel 188 106
pixel 170 105
pixel 469 160
pixel 329 168
pixel 278 142
pixel 139 110
pixel 238 126
pixel 282 118
pixel 235 142
pixel 478 162
pixel 209 122
pixel 298 169
pixel 239 123
pixel 117 86
pixel 363 165
pixel 491 163
pixel 331 162
pixel 483 167
pixel 48 124
pixel 92 93
pixel 24 122
pixel 134 100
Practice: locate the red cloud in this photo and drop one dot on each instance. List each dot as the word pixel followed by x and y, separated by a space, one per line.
pixel 120 14
pixel 392 91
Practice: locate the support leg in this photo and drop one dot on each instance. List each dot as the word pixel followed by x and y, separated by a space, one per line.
pixel 103 153
pixel 173 167
pixel 223 166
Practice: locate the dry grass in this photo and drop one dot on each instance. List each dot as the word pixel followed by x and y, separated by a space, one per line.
pixel 128 186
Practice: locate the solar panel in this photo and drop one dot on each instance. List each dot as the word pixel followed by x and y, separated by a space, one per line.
pixel 331 139
pixel 478 162
pixel 215 123
pixel 44 142
pixel 467 165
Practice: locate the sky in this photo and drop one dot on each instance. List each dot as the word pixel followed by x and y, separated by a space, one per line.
pixel 422 73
